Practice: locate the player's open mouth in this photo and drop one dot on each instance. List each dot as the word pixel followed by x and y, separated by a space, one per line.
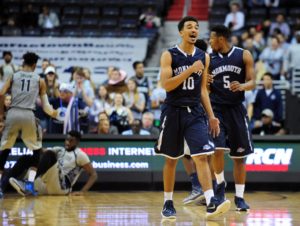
pixel 193 37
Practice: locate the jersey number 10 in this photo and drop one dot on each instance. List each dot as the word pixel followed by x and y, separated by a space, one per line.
pixel 188 84
pixel 23 85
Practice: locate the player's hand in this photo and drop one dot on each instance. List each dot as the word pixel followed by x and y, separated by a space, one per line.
pixel 210 79
pixel 77 193
pixel 197 66
pixel 235 86
pixel 214 127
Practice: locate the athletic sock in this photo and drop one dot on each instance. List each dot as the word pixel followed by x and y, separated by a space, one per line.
pixel 239 190
pixel 220 177
pixel 168 196
pixel 208 195
pixel 31 175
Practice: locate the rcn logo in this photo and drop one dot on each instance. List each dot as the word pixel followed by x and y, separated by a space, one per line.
pixel 270 159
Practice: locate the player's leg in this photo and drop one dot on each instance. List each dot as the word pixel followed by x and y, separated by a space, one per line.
pixel 190 169
pixel 169 145
pixel 8 139
pixel 241 146
pixel 32 137
pixel 169 172
pixel 198 140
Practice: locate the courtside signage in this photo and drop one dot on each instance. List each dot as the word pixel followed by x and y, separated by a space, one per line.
pixel 270 159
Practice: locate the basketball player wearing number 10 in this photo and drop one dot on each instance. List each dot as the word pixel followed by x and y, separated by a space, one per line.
pixel 233 73
pixel 184 129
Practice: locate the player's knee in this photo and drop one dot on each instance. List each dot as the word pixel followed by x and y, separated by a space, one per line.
pixel 171 162
pixel 200 159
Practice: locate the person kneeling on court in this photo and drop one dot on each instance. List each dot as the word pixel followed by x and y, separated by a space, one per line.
pixel 58 170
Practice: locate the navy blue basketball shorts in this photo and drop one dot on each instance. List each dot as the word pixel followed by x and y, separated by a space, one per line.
pixel 235 135
pixel 184 131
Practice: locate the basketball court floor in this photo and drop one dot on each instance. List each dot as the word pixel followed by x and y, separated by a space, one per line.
pixel 143 208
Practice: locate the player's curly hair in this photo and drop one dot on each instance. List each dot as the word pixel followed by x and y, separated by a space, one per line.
pixel 30 58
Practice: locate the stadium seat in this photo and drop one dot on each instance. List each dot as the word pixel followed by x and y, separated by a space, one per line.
pixel 12 9
pixel 128 23
pixel 32 32
pixel 71 10
pixel 110 33
pixel 257 13
pixel 91 32
pixel 89 21
pixel 275 11
pixel 70 21
pixel 111 11
pixel 294 12
pixel 11 31
pixel 52 32
pixel 253 22
pixel 129 33
pixel 90 11
pixel 130 12
pixel 108 22
pixel 71 32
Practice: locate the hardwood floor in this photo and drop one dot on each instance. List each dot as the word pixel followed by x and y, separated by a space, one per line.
pixel 143 208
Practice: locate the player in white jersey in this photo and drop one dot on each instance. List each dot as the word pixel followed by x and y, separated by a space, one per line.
pixel 25 86
pixel 58 170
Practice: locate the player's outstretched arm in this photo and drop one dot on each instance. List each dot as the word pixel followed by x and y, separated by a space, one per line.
pixel 47 108
pixel 250 75
pixel 91 180
pixel 213 121
pixel 170 83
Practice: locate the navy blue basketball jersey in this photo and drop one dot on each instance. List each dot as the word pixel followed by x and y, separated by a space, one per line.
pixel 226 69
pixel 188 93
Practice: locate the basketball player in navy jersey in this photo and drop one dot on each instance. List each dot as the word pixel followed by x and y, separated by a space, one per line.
pixel 233 73
pixel 184 127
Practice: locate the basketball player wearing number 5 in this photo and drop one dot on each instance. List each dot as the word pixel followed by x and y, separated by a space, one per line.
pixel 25 87
pixel 232 69
pixel 184 129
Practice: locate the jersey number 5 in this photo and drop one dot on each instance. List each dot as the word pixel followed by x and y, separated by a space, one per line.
pixel 226 81
pixel 23 85
pixel 188 84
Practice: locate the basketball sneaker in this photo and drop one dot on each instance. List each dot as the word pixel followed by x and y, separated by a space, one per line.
pixel 217 207
pixel 23 187
pixel 220 191
pixel 195 195
pixel 168 211
pixel 241 205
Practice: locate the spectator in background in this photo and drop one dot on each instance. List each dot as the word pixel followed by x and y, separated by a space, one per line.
pixel 88 76
pixel 281 25
pixel 144 84
pixel 292 58
pixel 47 19
pixel 83 87
pixel 104 126
pixel 116 83
pixel 52 89
pixel 270 98
pixel 236 40
pixel 99 105
pixel 157 98
pixel 272 57
pixel 29 18
pixel 149 19
pixel 249 45
pixel 119 115
pixel 147 124
pixel 266 125
pixel 235 20
pixel 282 42
pixel 108 73
pixel 258 41
pixel 51 81
pixel 7 102
pixel 136 129
pixel 134 100
pixel 10 28
pixel 271 3
pixel 8 68
pixel 45 64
